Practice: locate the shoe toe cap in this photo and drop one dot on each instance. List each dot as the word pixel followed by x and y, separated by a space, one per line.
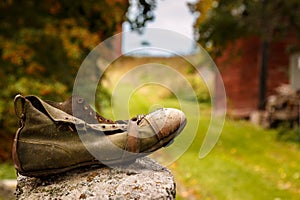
pixel 166 122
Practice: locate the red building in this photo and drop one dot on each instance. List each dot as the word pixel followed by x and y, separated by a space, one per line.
pixel 239 67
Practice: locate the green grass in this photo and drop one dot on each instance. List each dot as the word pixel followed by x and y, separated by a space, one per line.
pixel 7 171
pixel 246 163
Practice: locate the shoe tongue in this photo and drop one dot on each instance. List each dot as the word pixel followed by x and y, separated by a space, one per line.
pixel 80 109
pixel 86 113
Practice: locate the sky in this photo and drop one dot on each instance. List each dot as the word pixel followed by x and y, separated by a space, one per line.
pixel 170 32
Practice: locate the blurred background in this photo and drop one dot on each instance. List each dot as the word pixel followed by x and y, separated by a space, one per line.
pixel 254 43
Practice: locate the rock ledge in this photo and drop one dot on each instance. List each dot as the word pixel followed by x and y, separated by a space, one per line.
pixel 144 179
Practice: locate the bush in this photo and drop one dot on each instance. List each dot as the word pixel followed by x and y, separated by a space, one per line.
pixel 200 88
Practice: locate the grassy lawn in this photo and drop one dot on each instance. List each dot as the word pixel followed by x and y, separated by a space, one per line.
pixel 247 163
pixel 7 171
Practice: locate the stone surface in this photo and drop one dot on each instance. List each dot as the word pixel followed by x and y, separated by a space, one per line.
pixel 144 179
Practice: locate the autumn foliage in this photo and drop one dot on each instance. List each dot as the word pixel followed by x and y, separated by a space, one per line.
pixel 42 44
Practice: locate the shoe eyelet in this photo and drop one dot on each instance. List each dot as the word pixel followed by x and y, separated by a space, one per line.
pixel 134 119
pixel 80 100
pixel 103 126
pixel 99 118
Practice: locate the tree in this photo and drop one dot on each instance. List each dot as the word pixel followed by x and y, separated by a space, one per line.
pixel 42 44
pixel 143 12
pixel 221 22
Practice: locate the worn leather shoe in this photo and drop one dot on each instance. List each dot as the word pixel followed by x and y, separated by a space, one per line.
pixel 55 137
